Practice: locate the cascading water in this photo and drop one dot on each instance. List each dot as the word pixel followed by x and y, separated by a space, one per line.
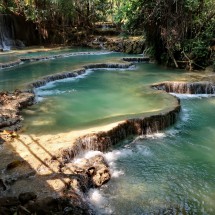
pixel 7 33
pixel 202 87
pixel 166 173
pixel 16 32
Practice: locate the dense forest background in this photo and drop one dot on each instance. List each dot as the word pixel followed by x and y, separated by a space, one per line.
pixel 178 33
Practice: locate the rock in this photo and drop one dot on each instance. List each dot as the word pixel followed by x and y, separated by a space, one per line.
pixel 91 171
pixel 80 182
pixel 14 164
pixel 98 171
pixel 44 206
pixel 26 197
pixel 101 176
pixel 87 173
pixel 9 202
pixel 23 211
pixel 10 106
pixel 2 185
pixel 64 206
pixel 131 45
pixel 4 211
pixel 1 140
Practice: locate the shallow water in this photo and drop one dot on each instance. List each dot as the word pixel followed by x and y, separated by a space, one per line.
pixel 101 96
pixel 19 76
pixel 166 173
pixel 172 173
pixel 13 55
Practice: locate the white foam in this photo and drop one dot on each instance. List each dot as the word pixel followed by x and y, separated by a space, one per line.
pixel 91 154
pixel 130 68
pixel 172 132
pixel 69 79
pixel 46 89
pixel 185 115
pixel 192 96
pixel 99 202
pixel 43 93
pixel 111 158
pixel 116 154
pixel 86 155
pixel 144 150
pixel 157 135
pixel 96 197
pixel 48 85
pixel 73 54
pixel 116 173
pixel 38 99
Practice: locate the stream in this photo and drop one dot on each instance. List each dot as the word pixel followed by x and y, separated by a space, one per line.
pixel 172 172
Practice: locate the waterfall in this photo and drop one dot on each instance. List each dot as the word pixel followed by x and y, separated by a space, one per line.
pixel 8 38
pixel 15 31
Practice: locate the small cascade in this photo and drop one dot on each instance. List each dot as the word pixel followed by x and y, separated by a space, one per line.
pixel 186 88
pixel 59 76
pixel 102 141
pixel 84 144
pixel 98 42
pixel 106 28
pixel 51 57
pixel 41 58
pixel 136 59
pixel 6 33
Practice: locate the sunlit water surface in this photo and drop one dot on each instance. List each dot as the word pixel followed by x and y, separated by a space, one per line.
pixel 166 173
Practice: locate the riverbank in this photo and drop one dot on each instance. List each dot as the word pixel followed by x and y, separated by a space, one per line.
pixel 48 155
pixel 38 159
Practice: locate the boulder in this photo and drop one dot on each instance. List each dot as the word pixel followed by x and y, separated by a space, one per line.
pixel 26 197
pixel 9 202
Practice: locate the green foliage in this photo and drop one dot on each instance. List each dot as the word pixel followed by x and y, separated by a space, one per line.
pixel 179 30
pixel 175 30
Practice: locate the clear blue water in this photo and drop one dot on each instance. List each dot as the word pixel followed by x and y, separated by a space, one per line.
pixel 173 173
pixel 99 97
pixel 168 173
